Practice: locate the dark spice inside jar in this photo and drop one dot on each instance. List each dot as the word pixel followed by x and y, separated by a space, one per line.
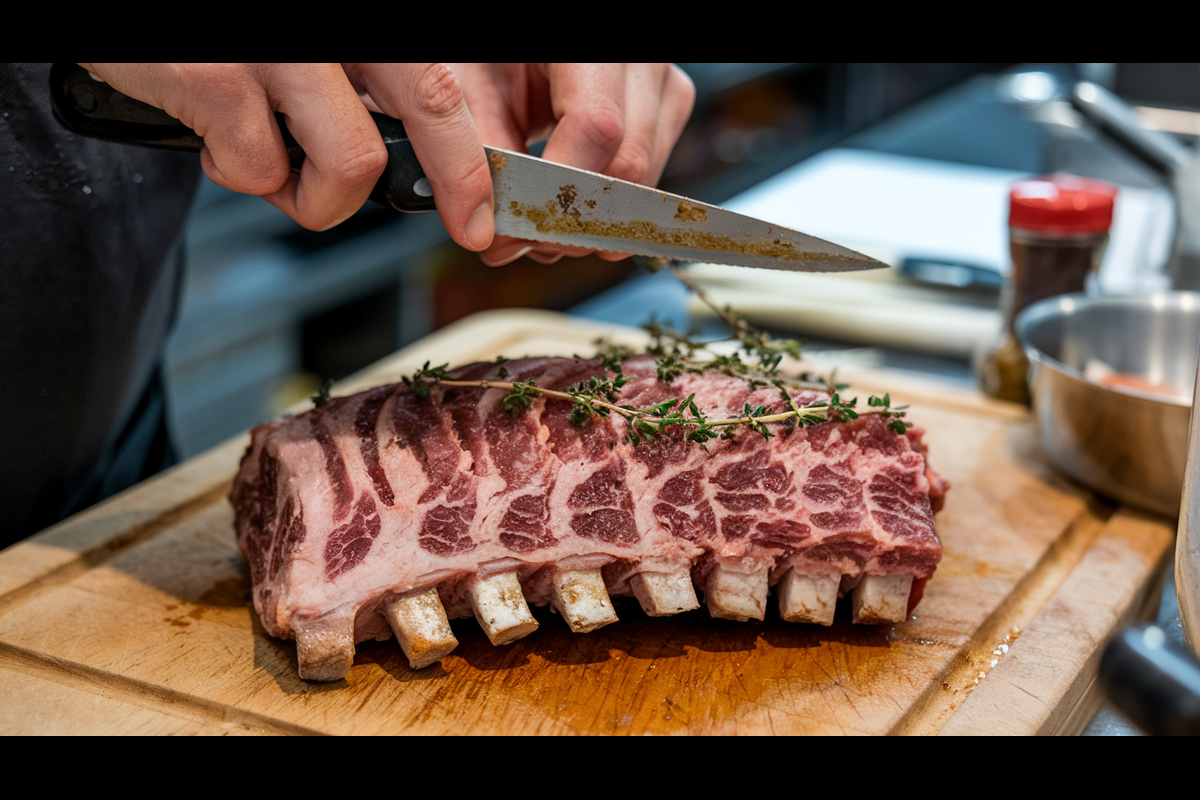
pixel 1044 268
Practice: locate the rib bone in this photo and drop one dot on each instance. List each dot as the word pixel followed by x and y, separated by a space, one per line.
pixel 419 622
pixel 808 598
pixel 736 595
pixel 582 599
pixel 664 593
pixel 881 598
pixel 324 648
pixel 501 609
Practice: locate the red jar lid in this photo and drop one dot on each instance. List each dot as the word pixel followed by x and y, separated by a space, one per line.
pixel 1062 203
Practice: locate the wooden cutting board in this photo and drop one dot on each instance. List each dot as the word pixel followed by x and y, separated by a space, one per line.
pixel 134 617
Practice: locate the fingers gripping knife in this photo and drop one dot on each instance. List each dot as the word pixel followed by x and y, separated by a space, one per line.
pixel 534 199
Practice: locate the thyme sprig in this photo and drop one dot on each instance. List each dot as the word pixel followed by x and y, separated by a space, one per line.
pixel 756 360
pixel 425 377
pixel 598 398
pixel 895 415
pixel 322 396
pixel 766 350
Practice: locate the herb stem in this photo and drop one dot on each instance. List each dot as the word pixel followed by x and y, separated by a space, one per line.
pixel 832 410
pixel 675 356
pixel 735 326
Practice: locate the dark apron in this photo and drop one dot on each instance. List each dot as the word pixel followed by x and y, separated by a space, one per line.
pixel 91 256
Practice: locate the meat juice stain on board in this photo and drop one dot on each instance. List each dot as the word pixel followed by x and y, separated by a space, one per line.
pixel 647 675
pixel 637 678
pixel 229 592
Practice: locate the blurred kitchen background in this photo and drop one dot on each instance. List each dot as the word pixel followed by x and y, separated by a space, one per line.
pixel 907 162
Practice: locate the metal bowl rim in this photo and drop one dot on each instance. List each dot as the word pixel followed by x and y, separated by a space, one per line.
pixel 1069 304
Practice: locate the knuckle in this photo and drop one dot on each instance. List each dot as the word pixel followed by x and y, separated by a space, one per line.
pixel 241 167
pixel 438 92
pixel 318 222
pixel 603 125
pixel 267 178
pixel 631 164
pixel 683 86
pixel 223 82
pixel 362 163
pixel 464 184
pixel 479 177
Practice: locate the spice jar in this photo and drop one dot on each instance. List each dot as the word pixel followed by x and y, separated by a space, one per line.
pixel 1058 229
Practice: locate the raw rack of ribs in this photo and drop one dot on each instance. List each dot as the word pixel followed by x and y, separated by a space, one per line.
pixel 386 513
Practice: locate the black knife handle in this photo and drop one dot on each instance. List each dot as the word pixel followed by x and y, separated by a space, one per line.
pixel 92 108
pixel 1154 682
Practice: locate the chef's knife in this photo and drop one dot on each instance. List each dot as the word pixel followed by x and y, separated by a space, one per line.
pixel 534 199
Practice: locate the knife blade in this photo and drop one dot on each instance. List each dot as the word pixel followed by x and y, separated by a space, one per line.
pixel 544 201
pixel 535 199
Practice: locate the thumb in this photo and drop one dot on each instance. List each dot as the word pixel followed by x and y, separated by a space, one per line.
pixel 427 98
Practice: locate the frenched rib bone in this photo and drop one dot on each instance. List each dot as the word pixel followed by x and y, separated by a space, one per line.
pixel 581 597
pixel 809 598
pixel 500 608
pixel 384 513
pixel 419 621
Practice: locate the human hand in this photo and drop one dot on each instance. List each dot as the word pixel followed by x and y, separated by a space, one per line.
pixel 617 119
pixel 232 106
pixel 620 120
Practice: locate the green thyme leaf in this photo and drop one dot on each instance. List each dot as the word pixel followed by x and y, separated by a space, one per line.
pixel 520 397
pixel 322 396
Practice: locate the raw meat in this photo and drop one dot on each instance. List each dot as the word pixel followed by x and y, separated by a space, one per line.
pixel 385 512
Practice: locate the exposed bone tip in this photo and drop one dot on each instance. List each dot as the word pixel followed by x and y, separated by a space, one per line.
pixel 738 596
pixel 419 621
pixel 664 593
pixel 808 598
pixel 881 598
pixel 324 648
pixel 500 608
pixel 582 599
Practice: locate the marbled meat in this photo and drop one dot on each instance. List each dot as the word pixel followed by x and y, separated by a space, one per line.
pixel 386 513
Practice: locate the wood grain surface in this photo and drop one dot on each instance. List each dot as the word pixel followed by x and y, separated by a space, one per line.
pixel 134 617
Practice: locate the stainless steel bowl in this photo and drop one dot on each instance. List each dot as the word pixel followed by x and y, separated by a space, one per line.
pixel 1126 445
